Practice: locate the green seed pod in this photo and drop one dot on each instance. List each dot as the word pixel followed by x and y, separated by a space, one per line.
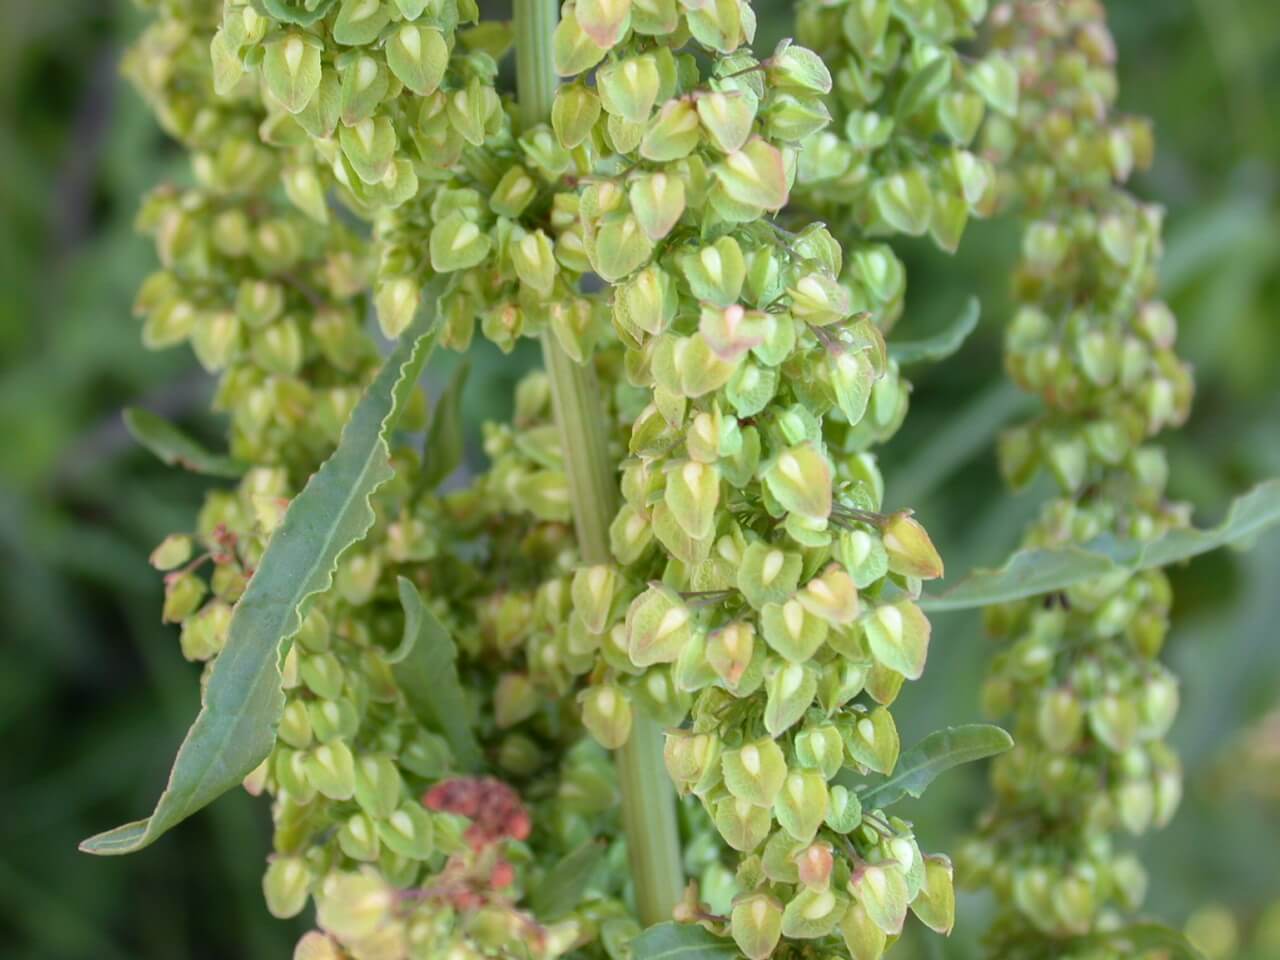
pixel 881 889
pixel 935 904
pixel 872 741
pixel 898 635
pixel 377 785
pixel 658 625
pixel 863 937
pixel 790 690
pixel 800 480
pixel 755 772
pixel 173 551
pixel 911 552
pixel 658 201
pixel 408 832
pixel 606 713
pixel 813 913
pixel 628 88
pixel 801 806
pixel 418 56
pixel 291 69
pixel 352 906
pixel 792 631
pixel 672 134
pixel 756 925
pixel 204 633
pixel 330 769
pixel 358 838
pixel 286 886
pixel 742 824
pixel 844 810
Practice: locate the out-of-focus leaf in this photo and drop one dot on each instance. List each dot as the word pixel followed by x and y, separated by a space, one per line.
pixel 935 754
pixel 174 447
pixel 561 889
pixel 681 941
pixel 943 343
pixel 1029 573
pixel 1144 939
pixel 425 672
pixel 236 726
pixel 442 452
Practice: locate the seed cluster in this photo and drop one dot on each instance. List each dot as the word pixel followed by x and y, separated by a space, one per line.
pixel 761 602
pixel 1079 676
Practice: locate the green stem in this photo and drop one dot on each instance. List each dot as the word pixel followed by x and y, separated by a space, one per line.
pixel 648 799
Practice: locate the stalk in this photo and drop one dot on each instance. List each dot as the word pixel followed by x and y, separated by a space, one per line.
pixel 648 799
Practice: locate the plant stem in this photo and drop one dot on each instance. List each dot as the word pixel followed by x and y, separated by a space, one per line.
pixel 648 799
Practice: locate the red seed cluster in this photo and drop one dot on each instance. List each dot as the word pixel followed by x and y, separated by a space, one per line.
pixel 494 808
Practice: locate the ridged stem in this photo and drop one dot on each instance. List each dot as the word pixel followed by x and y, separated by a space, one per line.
pixel 648 799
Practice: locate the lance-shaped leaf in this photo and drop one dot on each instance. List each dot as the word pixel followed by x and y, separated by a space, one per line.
pixel 426 674
pixel 442 453
pixel 935 754
pixel 243 701
pixel 943 343
pixel 681 941
pixel 561 889
pixel 1030 573
pixel 174 447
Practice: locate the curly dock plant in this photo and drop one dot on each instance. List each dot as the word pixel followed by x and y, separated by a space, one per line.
pixel 625 693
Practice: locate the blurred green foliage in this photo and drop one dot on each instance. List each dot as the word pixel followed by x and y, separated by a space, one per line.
pixel 94 693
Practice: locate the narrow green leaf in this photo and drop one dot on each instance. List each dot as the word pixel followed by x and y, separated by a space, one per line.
pixel 942 344
pixel 174 447
pixel 561 889
pixel 935 754
pixel 1248 516
pixel 1140 939
pixel 236 726
pixel 681 941
pixel 442 452
pixel 923 87
pixel 425 671
pixel 1030 573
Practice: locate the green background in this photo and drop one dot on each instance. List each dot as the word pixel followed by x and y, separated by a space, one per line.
pixel 94 693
